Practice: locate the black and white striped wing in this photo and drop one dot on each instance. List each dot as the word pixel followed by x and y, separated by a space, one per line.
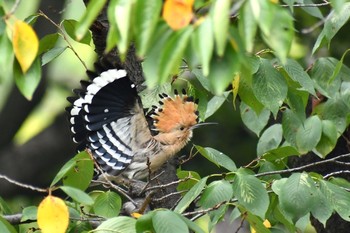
pixel 100 119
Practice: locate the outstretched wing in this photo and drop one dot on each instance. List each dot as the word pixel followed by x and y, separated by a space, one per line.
pixel 100 119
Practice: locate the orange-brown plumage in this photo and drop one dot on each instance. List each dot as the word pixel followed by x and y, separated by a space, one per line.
pixel 175 113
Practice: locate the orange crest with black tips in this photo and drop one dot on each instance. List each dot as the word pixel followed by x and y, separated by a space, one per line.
pixel 179 111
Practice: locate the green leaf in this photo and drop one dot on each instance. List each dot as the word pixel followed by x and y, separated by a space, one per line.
pixel 323 209
pixel 113 35
pixel 214 104
pixel 6 57
pixel 2 22
pixel 28 82
pixel 247 26
pixel 151 65
pixel 171 55
pixel 216 192
pixel 337 5
pixel 217 157
pixel 119 224
pixel 204 44
pixel 328 138
pixel 223 70
pixel 309 134
pixel 270 139
pixel 280 153
pixel 246 94
pixel 250 193
pixel 47 42
pixel 70 26
pixel 192 194
pixel 192 225
pixel 297 73
pixel 122 17
pixel 297 195
pixel 220 15
pixel 52 54
pixel 253 121
pixel 279 36
pixel 337 111
pixel 290 125
pixel 269 86
pixel 169 222
pixel 256 223
pixel 62 172
pixel 29 213
pixel 336 21
pixel 193 178
pixel 77 195
pixel 144 223
pixel 107 204
pixel 338 197
pixel 93 8
pixel 321 72
pixel 80 175
pixel 145 21
pixel 6 227
pixel 333 24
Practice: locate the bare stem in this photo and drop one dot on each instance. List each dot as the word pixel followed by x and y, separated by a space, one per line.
pixel 27 186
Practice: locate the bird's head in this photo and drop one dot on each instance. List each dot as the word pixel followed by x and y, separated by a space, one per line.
pixel 175 118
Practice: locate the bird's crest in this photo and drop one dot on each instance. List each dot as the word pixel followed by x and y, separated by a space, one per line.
pixel 173 112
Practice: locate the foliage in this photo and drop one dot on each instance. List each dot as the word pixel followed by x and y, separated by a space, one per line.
pixel 242 45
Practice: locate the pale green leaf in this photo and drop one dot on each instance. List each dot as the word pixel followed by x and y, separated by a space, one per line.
pixel 191 195
pixel 216 193
pixel 204 44
pixel 52 54
pixel 248 27
pixel 290 125
pixel 70 26
pixel 172 52
pixel 220 15
pixel 77 195
pixel 298 74
pixel 217 157
pixel 47 42
pixel 28 82
pixel 93 8
pixel 145 21
pixel 119 224
pixel 253 121
pixel 214 104
pixel 269 86
pixel 6 227
pixel 270 139
pixel 297 195
pixel 169 222
pixel 328 138
pixel 309 134
pixel 107 204
pixel 250 193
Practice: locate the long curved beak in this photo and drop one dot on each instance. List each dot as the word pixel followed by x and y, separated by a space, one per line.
pixel 203 123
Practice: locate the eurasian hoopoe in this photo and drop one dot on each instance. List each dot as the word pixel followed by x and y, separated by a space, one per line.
pixel 107 117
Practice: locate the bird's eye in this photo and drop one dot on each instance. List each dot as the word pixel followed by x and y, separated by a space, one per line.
pixel 182 128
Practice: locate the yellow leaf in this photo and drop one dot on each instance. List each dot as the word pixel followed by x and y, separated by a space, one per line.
pixel 53 215
pixel 25 44
pixel 235 86
pixel 136 215
pixel 178 13
pixel 266 223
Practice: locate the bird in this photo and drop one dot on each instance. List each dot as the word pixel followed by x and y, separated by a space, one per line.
pixel 108 119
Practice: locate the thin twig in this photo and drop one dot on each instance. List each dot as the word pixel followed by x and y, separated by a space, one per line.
pixel 13 9
pixel 308 4
pixel 290 170
pixel 205 210
pixel 64 37
pixel 336 173
pixel 167 185
pixel 27 186
pixel 169 195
